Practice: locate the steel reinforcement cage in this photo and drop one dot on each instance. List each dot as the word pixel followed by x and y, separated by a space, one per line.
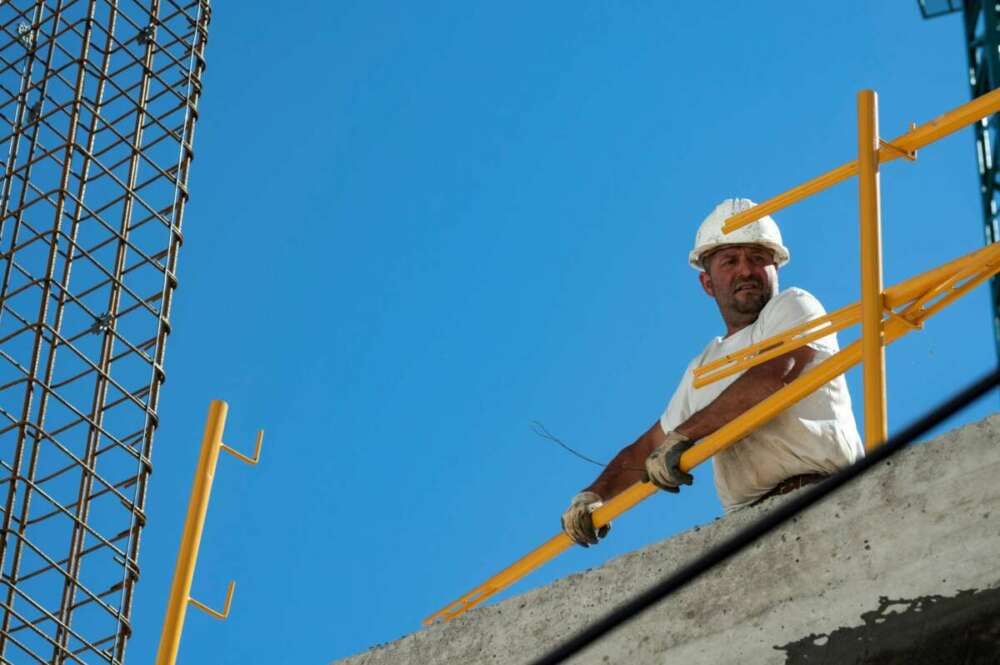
pixel 98 104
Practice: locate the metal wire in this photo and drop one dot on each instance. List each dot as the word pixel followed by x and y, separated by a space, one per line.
pixel 98 105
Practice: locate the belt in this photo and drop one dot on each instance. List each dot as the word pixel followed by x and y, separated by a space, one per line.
pixel 791 484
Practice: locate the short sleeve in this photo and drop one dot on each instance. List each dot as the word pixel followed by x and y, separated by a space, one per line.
pixel 790 308
pixel 679 408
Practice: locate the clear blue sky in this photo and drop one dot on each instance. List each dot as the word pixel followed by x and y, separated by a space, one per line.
pixel 417 227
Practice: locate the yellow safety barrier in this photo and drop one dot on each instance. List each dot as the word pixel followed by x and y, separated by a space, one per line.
pixel 946 283
pixel 916 299
pixel 194 524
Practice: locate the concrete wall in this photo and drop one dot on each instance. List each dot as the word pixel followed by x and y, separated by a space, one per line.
pixel 902 566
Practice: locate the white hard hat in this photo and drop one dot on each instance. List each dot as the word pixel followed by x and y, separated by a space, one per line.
pixel 762 232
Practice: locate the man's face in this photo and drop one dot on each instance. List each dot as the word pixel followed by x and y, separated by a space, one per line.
pixel 741 278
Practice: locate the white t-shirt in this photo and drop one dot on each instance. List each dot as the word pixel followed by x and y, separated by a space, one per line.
pixel 816 435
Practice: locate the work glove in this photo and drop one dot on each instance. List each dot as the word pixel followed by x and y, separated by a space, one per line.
pixel 663 464
pixel 577 522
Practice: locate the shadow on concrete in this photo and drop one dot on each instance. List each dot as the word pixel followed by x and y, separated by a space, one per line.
pixel 931 630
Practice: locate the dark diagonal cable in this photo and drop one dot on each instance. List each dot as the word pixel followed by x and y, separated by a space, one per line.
pixel 776 517
pixel 540 430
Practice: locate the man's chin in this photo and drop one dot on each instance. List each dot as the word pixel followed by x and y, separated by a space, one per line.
pixel 749 302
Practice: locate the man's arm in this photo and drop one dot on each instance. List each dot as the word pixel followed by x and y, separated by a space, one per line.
pixel 755 385
pixel 628 466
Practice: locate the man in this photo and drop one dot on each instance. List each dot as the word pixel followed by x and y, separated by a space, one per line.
pixel 804 443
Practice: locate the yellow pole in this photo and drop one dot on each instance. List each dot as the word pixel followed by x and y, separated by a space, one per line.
pixel 872 347
pixel 194 524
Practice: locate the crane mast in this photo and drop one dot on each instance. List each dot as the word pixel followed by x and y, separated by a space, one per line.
pixel 981 28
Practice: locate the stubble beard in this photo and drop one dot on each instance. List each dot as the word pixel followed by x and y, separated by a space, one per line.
pixel 749 305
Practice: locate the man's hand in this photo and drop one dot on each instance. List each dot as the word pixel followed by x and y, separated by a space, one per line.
pixel 663 464
pixel 577 523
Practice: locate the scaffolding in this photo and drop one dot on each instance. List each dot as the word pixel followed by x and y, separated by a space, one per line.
pixel 98 105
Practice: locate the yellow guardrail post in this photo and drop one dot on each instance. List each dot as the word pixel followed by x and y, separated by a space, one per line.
pixel 872 306
pixel 194 524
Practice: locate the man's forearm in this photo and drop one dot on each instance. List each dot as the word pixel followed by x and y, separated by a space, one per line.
pixel 627 467
pixel 758 383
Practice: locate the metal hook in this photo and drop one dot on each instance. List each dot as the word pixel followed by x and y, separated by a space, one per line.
pixel 912 325
pixel 910 155
pixel 225 610
pixel 256 456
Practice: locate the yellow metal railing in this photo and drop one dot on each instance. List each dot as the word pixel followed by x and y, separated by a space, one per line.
pixel 885 316
pixel 194 524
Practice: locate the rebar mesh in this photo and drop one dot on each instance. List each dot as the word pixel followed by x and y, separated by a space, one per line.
pixel 98 103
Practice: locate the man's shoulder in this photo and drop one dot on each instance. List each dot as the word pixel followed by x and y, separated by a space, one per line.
pixel 796 300
pixel 789 308
pixel 793 294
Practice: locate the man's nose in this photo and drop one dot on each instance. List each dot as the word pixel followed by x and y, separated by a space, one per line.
pixel 744 266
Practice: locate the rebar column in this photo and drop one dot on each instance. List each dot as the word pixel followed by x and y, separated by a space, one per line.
pixel 98 106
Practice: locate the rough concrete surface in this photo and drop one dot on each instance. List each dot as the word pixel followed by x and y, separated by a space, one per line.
pixel 902 566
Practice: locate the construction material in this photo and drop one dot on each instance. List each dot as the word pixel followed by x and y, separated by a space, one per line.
pixel 98 106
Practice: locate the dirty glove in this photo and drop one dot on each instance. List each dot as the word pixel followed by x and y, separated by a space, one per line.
pixel 577 523
pixel 663 464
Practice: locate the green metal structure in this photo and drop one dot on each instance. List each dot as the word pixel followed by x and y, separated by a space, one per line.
pixel 981 27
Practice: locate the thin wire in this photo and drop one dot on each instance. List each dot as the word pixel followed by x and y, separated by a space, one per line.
pixel 775 518
pixel 540 430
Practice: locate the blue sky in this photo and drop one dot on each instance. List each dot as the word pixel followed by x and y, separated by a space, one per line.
pixel 416 228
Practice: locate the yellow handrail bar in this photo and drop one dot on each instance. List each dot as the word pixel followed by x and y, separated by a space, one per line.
pixel 908 143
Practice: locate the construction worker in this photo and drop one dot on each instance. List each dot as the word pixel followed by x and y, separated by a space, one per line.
pixel 801 445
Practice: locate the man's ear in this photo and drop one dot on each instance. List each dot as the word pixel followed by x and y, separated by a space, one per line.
pixel 706 283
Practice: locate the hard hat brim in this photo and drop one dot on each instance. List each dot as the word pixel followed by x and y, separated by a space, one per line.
pixel 780 252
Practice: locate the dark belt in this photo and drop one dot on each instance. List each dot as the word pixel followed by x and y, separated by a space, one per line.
pixel 791 484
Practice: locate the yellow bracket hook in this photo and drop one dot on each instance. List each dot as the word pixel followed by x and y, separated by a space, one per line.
pixel 256 455
pixel 905 154
pixel 224 614
pixel 912 325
